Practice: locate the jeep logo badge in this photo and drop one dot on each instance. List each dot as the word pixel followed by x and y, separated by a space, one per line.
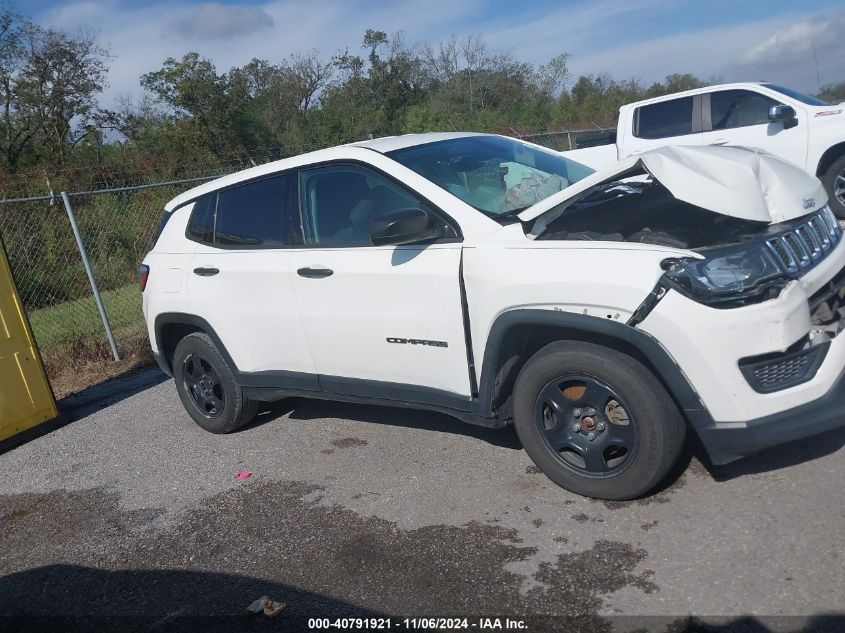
pixel 809 203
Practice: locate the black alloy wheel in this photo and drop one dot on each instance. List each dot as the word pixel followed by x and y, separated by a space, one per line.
pixel 204 385
pixel 587 425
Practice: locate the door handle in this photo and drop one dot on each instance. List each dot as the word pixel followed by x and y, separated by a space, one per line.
pixel 315 273
pixel 719 141
pixel 206 272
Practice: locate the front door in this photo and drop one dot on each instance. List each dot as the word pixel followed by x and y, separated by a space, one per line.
pixel 376 314
pixel 741 117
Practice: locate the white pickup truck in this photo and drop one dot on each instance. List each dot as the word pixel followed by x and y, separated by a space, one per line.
pixel 796 127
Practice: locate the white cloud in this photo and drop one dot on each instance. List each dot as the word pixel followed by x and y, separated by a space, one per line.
pixel 220 21
pixel 596 33
pixel 543 35
pixel 789 55
pixel 142 37
pixel 703 53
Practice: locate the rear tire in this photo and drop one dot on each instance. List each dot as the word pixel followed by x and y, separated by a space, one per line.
pixel 570 391
pixel 208 388
pixel 834 184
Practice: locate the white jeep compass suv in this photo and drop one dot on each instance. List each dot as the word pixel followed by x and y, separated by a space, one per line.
pixel 604 314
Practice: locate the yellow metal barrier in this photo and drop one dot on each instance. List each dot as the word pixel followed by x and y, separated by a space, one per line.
pixel 25 396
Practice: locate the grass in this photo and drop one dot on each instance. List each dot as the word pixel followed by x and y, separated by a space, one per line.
pixel 73 343
pixel 75 321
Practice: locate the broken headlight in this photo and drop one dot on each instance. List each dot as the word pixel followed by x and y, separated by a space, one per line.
pixel 727 277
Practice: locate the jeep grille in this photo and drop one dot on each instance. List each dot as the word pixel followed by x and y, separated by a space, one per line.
pixel 806 244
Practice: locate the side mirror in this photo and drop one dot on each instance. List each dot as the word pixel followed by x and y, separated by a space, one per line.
pixel 402 226
pixel 783 113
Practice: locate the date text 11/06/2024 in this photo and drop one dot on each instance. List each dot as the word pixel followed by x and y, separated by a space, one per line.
pixel 435 624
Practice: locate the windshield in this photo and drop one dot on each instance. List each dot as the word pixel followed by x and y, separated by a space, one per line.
pixel 496 175
pixel 798 96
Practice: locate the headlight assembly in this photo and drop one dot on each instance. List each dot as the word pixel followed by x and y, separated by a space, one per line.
pixel 727 276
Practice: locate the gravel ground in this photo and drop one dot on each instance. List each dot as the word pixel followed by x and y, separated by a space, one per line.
pixel 130 517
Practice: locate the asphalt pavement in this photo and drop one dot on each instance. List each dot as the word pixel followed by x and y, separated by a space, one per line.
pixel 131 517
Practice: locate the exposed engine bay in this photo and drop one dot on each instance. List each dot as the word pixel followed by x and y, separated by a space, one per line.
pixel 643 210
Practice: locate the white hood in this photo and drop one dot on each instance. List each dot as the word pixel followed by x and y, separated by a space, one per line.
pixel 735 181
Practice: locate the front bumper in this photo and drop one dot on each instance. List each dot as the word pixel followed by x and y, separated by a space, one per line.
pixel 728 442
pixel 734 416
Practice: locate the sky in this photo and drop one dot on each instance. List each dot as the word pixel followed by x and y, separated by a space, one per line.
pixel 733 40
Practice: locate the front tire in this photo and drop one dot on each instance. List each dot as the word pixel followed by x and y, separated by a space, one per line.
pixel 834 184
pixel 596 421
pixel 208 388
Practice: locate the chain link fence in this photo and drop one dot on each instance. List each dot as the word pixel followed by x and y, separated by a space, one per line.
pixel 116 229
pixel 572 139
pixel 117 223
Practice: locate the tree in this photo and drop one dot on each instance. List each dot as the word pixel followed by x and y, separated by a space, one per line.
pixel 49 81
pixel 833 93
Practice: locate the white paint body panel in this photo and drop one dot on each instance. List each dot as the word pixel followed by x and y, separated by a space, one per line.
pixel 169 262
pixel 251 306
pixel 378 293
pixel 578 277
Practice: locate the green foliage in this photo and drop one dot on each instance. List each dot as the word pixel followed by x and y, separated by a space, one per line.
pixel 833 93
pixel 49 80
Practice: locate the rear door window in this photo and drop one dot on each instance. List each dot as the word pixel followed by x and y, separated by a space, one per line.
pixel 664 119
pixel 739 108
pixel 252 215
pixel 257 214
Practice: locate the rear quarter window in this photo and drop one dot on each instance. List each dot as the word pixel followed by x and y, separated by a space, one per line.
pixel 201 225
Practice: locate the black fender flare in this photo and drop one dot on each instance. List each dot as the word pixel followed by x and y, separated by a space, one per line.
pixel 184 318
pixel 598 330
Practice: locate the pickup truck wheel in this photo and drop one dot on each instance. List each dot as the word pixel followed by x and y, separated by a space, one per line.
pixel 596 421
pixel 834 183
pixel 208 388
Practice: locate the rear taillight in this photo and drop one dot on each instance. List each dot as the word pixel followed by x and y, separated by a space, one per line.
pixel 143 275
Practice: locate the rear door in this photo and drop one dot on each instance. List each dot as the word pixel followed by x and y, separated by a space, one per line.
pixel 376 314
pixel 239 278
pixel 669 122
pixel 741 117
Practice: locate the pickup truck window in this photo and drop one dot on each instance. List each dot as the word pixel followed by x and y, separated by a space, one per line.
pixel 338 201
pixel 664 119
pixel 496 175
pixel 739 108
pixel 798 96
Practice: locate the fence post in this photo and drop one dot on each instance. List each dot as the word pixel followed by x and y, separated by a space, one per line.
pixel 90 274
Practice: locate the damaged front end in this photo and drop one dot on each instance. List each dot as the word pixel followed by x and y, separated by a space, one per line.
pixel 680 198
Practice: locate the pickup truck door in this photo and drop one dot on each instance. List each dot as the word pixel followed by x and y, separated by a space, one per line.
pixel 668 122
pixel 391 314
pixel 741 117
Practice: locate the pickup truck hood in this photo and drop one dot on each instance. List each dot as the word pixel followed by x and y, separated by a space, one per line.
pixel 735 181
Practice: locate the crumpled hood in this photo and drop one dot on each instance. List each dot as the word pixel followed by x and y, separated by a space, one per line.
pixel 734 181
